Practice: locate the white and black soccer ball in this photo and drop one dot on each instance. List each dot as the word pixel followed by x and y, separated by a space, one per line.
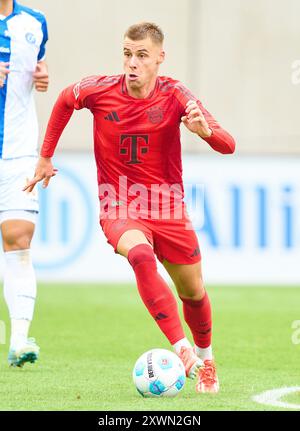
pixel 159 373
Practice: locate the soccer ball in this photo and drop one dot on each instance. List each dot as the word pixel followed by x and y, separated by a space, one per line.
pixel 159 373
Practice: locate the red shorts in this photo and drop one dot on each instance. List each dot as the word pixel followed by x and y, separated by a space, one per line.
pixel 172 240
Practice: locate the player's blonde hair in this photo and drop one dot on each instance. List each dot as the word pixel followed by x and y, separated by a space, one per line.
pixel 142 30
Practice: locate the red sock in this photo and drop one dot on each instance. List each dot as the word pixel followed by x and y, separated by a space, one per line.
pixel 197 315
pixel 155 292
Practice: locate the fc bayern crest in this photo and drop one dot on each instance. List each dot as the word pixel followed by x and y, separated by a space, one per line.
pixel 155 114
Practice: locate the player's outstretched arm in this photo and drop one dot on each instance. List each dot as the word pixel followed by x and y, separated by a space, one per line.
pixel 73 97
pixel 60 116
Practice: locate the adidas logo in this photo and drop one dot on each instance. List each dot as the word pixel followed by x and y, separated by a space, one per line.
pixel 205 332
pixel 196 252
pixel 113 116
pixel 160 316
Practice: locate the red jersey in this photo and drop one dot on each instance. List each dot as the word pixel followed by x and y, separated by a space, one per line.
pixel 136 141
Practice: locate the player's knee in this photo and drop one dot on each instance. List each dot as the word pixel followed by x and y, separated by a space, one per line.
pixel 190 286
pixel 192 293
pixel 141 253
pixel 16 240
pixel 192 297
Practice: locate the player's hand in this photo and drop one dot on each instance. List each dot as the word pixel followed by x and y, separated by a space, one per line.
pixel 4 71
pixel 44 171
pixel 41 77
pixel 194 120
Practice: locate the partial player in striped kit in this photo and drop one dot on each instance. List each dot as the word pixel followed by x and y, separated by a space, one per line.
pixel 23 36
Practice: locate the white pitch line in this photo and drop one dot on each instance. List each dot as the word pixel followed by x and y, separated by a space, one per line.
pixel 272 397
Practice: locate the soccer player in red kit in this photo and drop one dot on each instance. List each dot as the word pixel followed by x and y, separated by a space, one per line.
pixel 137 119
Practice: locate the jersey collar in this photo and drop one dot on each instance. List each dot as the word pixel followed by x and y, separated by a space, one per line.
pixel 125 90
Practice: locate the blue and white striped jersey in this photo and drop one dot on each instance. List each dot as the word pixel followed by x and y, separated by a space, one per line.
pixel 23 36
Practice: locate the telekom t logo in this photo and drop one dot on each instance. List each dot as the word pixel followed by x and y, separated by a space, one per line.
pixel 133 145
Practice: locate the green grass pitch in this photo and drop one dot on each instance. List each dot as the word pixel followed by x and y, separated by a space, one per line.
pixel 90 337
